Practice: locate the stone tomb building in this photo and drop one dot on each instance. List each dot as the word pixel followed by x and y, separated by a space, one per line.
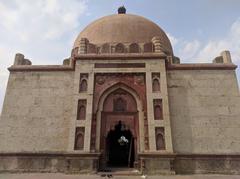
pixel 121 100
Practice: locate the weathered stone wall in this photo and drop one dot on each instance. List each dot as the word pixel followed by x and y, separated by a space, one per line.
pixel 204 111
pixel 49 162
pixel 36 112
pixel 215 164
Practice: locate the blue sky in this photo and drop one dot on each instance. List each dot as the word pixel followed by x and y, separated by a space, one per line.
pixel 44 30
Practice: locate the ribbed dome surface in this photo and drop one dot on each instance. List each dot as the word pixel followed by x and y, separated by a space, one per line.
pixel 123 28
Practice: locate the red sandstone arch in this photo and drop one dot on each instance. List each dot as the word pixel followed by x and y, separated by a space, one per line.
pixel 128 109
pixel 138 93
pixel 107 84
pixel 108 115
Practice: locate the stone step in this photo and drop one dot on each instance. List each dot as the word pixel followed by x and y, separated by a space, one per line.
pixel 120 171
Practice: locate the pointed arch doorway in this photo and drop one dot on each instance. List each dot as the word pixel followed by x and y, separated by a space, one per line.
pixel 119 132
pixel 120 150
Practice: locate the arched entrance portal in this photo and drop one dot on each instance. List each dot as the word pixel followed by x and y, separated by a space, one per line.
pixel 119 132
pixel 120 147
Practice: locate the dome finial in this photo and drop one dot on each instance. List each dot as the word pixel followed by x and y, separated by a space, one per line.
pixel 122 10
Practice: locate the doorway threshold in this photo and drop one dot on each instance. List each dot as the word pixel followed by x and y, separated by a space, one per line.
pixel 120 171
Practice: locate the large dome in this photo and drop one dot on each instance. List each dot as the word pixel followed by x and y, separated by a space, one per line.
pixel 123 28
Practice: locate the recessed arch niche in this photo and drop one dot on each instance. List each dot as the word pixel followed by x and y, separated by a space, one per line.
pixel 119 48
pixel 131 116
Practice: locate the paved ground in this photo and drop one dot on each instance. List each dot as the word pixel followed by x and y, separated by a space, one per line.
pixel 64 176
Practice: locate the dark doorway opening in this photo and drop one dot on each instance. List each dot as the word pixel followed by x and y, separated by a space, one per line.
pixel 120 147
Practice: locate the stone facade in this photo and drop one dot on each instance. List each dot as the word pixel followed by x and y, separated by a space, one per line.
pixel 36 112
pixel 206 126
pixel 207 120
pixel 173 117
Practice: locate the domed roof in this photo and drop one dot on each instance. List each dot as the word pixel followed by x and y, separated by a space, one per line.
pixel 123 28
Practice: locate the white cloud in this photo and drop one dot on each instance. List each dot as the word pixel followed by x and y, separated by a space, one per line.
pixel 38 29
pixel 42 19
pixel 230 42
pixel 194 51
pixel 189 49
pixel 172 39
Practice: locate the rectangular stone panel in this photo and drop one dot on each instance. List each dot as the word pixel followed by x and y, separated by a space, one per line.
pixel 83 83
pixel 119 65
pixel 81 111
pixel 160 138
pixel 158 109
pixel 79 138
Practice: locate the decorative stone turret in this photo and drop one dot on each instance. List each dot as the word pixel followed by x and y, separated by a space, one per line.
pixel 225 57
pixel 67 61
pixel 20 60
pixel 218 59
pixel 83 45
pixel 175 60
pixel 158 46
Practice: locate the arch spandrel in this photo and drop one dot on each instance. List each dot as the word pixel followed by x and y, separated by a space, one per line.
pixel 139 90
pixel 123 87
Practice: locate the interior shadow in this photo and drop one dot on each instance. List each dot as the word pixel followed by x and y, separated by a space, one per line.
pixel 120 147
